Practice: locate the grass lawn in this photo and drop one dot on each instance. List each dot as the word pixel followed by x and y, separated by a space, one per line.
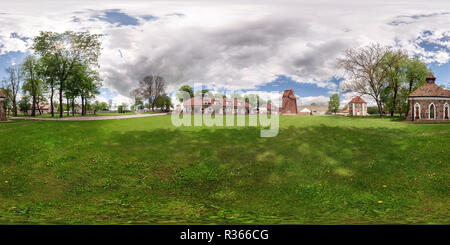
pixel 318 170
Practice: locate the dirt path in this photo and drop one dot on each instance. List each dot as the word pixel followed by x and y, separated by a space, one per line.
pixel 89 118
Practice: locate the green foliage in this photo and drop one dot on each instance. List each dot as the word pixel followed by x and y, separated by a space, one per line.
pixel 333 104
pixel 24 104
pixel 372 110
pixel 69 61
pixel 164 102
pixel 186 88
pixel 122 108
pixel 404 75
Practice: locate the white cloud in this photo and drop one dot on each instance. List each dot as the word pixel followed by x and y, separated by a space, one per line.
pixel 233 44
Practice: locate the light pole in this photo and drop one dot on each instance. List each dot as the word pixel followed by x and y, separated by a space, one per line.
pixel 2 109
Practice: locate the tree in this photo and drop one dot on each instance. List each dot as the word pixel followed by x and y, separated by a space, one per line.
pixel 48 73
pixel 67 50
pixel 416 72
pixel 333 104
pixel 109 104
pixel 100 106
pixel 24 104
pixel 395 66
pixel 13 85
pixel 365 69
pixel 164 102
pixel 186 88
pixel 313 104
pixel 138 101
pixel 33 84
pixel 122 108
pixel 88 84
pixel 151 87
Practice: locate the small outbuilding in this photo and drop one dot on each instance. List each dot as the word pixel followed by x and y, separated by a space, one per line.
pixel 357 107
pixel 429 102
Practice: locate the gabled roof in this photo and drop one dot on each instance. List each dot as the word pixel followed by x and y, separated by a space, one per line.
pixel 357 99
pixel 430 90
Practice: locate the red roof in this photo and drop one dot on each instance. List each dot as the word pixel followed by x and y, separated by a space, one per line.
pixel 357 99
pixel 430 90
pixel 345 111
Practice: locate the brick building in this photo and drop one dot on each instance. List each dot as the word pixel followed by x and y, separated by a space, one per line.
pixel 429 102
pixel 357 107
pixel 289 102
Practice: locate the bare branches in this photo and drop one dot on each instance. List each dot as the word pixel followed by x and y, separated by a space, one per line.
pixel 366 74
pixel 151 87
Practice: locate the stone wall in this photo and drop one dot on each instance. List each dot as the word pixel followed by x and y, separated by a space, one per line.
pixel 424 109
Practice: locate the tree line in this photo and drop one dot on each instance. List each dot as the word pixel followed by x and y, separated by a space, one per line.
pixel 385 74
pixel 63 65
pixel 151 94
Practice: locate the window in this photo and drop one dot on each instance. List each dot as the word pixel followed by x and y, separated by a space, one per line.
pixel 417 111
pixel 446 111
pixel 432 112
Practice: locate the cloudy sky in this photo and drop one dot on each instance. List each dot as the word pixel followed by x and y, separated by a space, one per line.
pixel 251 46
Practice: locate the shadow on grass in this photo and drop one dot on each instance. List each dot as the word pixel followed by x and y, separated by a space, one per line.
pixel 304 175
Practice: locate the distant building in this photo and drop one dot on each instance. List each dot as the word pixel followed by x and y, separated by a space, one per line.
pixel 289 102
pixel 357 107
pixel 313 110
pixel 217 106
pixel 429 102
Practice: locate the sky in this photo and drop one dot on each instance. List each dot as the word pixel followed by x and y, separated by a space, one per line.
pixel 259 47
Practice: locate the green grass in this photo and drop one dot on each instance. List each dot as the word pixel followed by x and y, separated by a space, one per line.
pixel 318 170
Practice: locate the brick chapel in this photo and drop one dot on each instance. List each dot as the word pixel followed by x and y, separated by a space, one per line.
pixel 429 102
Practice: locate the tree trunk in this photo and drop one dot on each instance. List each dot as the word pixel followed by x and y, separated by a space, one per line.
pixel 380 108
pixel 73 107
pixel 394 100
pixel 83 106
pixel 68 106
pixel 51 102
pixel 407 108
pixel 61 106
pixel 33 107
pixel 15 107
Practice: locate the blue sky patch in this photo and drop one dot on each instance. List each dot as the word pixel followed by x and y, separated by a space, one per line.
pixel 115 16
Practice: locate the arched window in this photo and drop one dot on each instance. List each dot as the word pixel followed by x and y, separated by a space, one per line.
pixel 432 111
pixel 446 111
pixel 417 111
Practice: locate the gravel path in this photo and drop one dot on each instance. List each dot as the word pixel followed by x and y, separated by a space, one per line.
pixel 89 118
